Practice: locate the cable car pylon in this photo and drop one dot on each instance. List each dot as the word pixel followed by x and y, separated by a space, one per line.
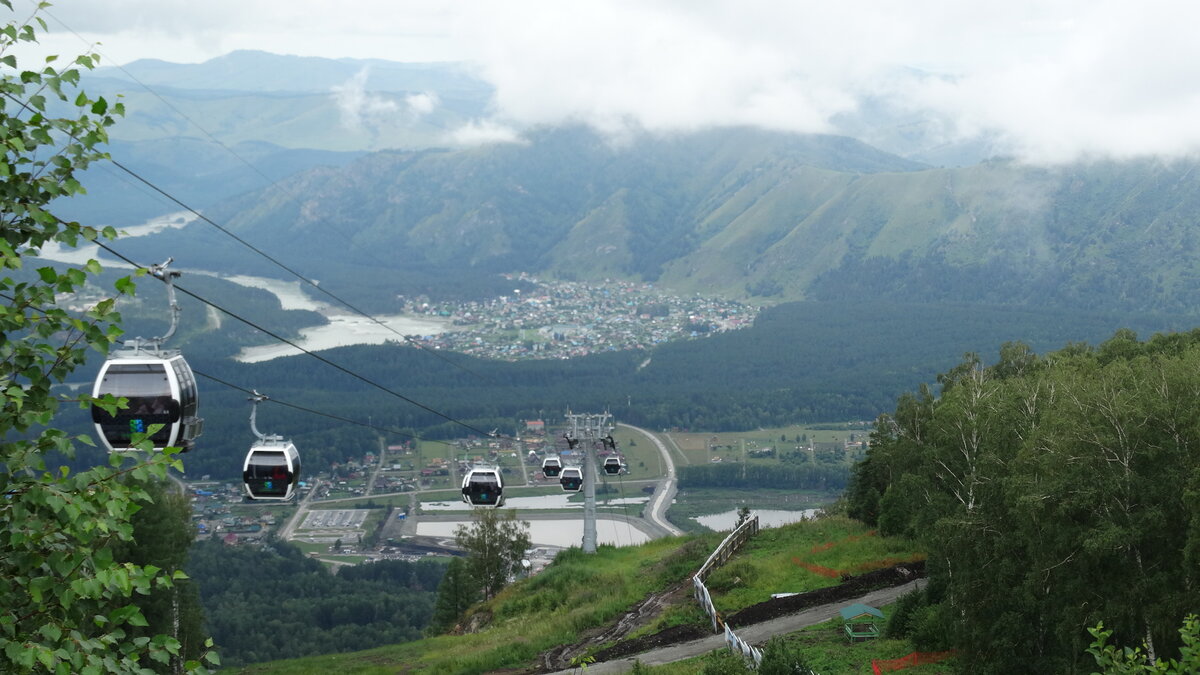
pixel 589 429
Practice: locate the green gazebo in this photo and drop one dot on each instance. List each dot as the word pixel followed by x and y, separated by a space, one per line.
pixel 858 620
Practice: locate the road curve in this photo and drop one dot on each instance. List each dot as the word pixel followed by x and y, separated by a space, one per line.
pixel 660 501
pixel 285 533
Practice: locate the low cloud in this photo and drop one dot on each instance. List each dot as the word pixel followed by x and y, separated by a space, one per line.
pixel 358 108
pixel 421 104
pixel 484 132
pixel 1046 80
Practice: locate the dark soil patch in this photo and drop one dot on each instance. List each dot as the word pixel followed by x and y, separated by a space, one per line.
pixel 643 613
pixel 850 588
pixel 668 636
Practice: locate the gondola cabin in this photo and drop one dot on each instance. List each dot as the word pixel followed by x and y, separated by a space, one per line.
pixel 482 486
pixel 612 465
pixel 271 471
pixel 551 467
pixel 160 389
pixel 571 479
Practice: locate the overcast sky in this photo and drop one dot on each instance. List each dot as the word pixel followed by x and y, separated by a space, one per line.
pixel 1056 80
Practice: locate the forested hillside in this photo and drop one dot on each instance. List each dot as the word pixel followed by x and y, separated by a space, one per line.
pixel 736 212
pixel 800 362
pixel 273 603
pixel 1053 493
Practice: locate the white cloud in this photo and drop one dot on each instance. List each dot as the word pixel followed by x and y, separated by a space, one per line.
pixel 484 132
pixel 1051 79
pixel 421 104
pixel 357 107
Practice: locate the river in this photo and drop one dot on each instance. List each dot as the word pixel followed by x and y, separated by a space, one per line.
pixel 343 328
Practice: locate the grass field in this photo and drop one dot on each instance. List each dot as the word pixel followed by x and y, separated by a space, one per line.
pixel 702 448
pixel 827 651
pixel 802 557
pixel 580 592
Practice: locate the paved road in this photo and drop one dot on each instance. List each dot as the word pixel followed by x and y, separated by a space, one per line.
pixel 755 634
pixel 656 510
pixel 285 533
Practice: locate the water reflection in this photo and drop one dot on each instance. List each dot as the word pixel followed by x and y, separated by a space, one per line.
pixel 344 330
pixel 720 522
pixel 558 501
pixel 561 533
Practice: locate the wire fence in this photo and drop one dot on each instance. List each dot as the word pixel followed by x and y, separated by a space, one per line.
pixel 748 528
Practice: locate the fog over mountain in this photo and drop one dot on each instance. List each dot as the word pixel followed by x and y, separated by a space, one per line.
pixel 1045 82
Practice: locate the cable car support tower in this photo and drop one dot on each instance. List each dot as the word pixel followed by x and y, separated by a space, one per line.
pixel 589 428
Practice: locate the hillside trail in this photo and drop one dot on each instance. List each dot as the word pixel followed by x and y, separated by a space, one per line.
pixel 755 633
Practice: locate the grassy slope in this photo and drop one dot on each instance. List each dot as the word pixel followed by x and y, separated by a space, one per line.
pixel 579 592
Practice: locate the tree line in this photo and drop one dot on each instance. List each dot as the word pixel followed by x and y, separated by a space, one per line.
pixel 273 602
pixel 802 362
pixel 1054 493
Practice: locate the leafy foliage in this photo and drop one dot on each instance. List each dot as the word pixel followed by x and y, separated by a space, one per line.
pixel 1115 660
pixel 1052 492
pixel 275 603
pixel 495 546
pixel 65 588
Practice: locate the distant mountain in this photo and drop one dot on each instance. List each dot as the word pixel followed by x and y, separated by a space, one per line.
pixel 263 72
pixel 197 172
pixel 293 102
pixel 750 213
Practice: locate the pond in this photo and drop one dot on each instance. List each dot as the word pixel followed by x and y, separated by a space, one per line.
pixel 555 501
pixel 720 522
pixel 561 533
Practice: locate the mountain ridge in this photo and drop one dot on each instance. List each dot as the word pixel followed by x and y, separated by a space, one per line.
pixel 752 214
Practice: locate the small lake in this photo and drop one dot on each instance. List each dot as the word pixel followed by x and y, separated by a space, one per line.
pixel 560 533
pixel 721 522
pixel 557 501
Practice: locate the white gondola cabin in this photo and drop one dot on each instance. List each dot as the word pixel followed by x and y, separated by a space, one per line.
pixel 271 471
pixel 482 486
pixel 551 467
pixel 571 479
pixel 612 465
pixel 160 389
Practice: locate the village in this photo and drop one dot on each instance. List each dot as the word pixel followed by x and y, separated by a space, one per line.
pixel 566 319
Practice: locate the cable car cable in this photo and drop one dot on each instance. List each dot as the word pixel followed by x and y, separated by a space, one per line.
pixel 294 406
pixel 272 183
pixel 339 418
pixel 320 358
pixel 291 271
pixel 177 201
